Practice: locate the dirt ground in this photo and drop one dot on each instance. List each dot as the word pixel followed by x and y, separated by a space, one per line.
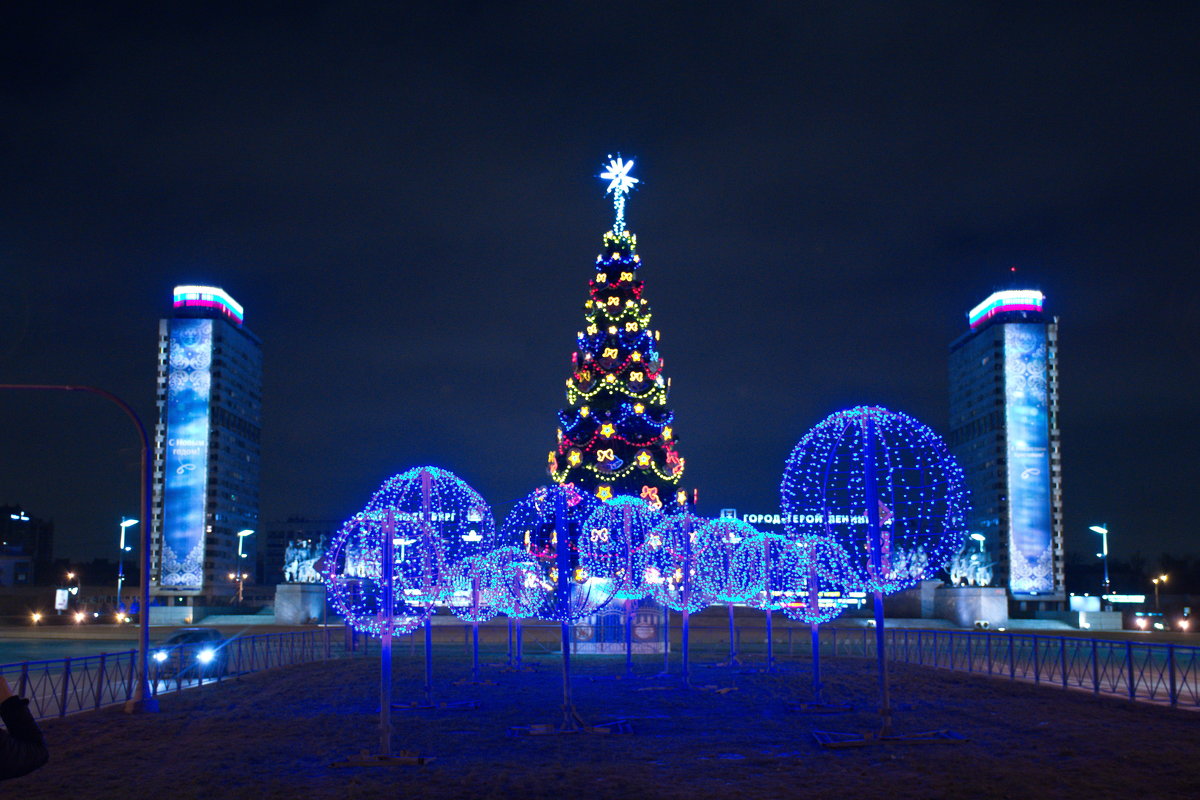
pixel 277 734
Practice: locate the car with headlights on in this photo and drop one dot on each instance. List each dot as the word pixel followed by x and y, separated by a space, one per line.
pixel 190 653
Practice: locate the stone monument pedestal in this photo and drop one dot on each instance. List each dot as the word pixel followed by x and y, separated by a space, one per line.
pixel 299 603
pixel 967 606
pixel 916 602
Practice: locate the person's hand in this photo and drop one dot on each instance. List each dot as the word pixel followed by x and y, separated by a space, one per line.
pixel 5 691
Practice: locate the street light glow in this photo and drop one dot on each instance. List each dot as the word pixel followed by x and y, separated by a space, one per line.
pixel 1103 554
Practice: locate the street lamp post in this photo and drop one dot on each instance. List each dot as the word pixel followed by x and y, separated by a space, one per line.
pixel 1103 531
pixel 241 576
pixel 72 591
pixel 143 699
pixel 125 523
pixel 1156 582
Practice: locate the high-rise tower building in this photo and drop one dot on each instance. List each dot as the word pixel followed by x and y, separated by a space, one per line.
pixel 206 458
pixel 1004 432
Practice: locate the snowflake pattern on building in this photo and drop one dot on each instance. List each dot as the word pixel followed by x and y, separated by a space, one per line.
pixel 1024 367
pixel 188 572
pixel 1031 575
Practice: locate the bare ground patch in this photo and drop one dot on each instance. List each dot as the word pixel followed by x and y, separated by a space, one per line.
pixel 275 735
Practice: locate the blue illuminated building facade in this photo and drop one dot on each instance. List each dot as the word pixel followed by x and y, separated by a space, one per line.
pixel 206 461
pixel 1004 432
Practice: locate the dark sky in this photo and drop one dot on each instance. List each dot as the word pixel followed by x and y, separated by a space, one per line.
pixel 405 202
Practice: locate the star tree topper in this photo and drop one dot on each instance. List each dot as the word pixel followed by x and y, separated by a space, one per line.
pixel 620 184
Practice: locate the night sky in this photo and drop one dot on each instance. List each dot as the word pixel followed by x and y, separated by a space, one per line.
pixel 406 204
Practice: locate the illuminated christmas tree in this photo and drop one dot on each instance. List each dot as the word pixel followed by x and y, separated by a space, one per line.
pixel 616 437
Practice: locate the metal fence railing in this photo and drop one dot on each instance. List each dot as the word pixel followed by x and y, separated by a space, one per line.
pixel 1150 671
pixel 62 686
pixel 1145 671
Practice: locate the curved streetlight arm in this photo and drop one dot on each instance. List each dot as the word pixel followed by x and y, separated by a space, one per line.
pixel 142 700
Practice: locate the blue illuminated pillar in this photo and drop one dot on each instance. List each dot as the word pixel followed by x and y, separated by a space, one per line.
pixel 427 568
pixel 876 543
pixel 687 594
pixel 814 603
pixel 562 558
pixel 626 513
pixel 385 637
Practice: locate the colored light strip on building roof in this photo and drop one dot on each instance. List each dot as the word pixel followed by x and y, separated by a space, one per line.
pixel 999 302
pixel 208 297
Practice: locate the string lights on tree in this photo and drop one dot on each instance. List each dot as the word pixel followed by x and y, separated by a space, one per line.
pixel 523 589
pixel 824 569
pixel 729 565
pixel 615 437
pixel 475 594
pixel 885 488
pixel 548 521
pixel 780 577
pixel 613 545
pixel 429 521
pixel 389 564
pixel 918 495
pixel 670 571
pixel 355 576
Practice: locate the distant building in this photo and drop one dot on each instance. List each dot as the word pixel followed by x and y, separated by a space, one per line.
pixel 1004 432
pixel 28 544
pixel 206 461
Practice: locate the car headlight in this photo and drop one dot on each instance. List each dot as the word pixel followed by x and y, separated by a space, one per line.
pixel 206 655
pixel 160 656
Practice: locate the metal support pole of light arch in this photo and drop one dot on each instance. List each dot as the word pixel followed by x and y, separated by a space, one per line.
pixel 385 637
pixel 627 514
pixel 666 623
pixel 510 642
pixel 562 560
pixel 143 699
pixel 814 603
pixel 520 643
pixel 770 598
pixel 876 542
pixel 687 600
pixel 475 627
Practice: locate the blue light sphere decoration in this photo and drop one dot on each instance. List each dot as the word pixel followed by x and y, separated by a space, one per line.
pixel 458 515
pixel 824 567
pixel 729 564
pixel 476 591
pixel 522 581
pixel 435 521
pixel 354 574
pixel 920 497
pixel 612 544
pixel 531 526
pixel 671 563
pixel 780 575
